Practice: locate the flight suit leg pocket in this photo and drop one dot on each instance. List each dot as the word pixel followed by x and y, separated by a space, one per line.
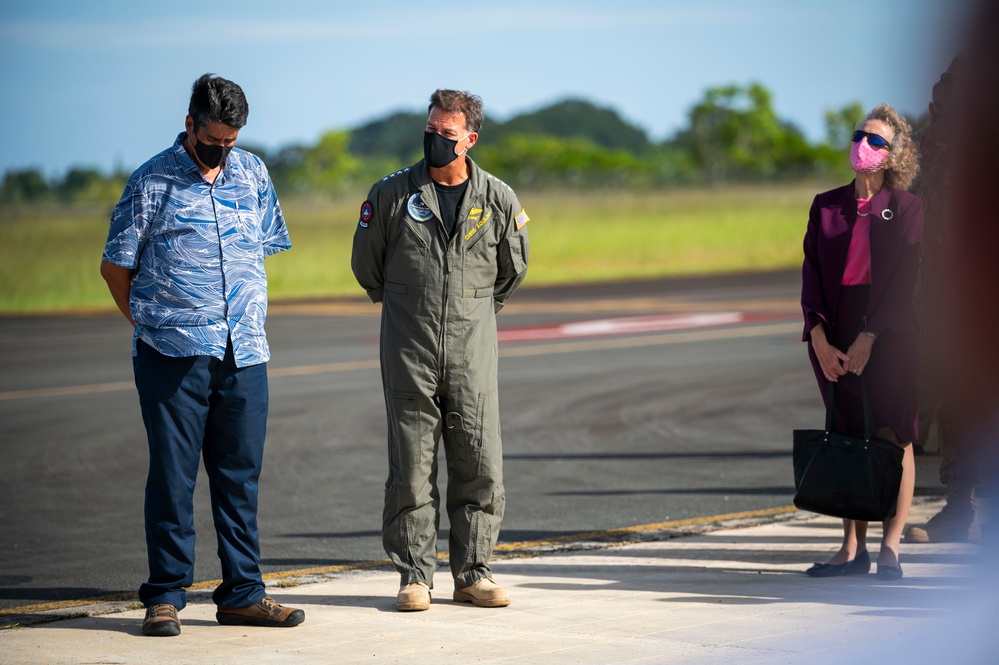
pixel 405 429
pixel 458 441
pixel 486 449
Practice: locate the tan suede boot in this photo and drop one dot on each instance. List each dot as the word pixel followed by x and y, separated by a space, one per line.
pixel 413 597
pixel 483 593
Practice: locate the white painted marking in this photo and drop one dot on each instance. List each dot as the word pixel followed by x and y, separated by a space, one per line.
pixel 622 326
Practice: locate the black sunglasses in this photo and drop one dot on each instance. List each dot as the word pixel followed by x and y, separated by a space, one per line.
pixel 873 140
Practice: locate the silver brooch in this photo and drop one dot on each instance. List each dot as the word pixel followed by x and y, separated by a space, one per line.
pixel 887 215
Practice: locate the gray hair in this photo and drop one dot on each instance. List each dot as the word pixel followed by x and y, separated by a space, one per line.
pixel 457 101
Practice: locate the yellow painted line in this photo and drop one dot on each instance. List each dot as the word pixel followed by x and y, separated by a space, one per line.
pixel 506 352
pixel 503 547
pixel 68 390
pixel 66 604
pixel 359 308
pixel 328 368
pixel 523 303
pixel 116 386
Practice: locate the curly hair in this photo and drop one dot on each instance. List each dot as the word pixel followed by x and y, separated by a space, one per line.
pixel 457 101
pixel 904 156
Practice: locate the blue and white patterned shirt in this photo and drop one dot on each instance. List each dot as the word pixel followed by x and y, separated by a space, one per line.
pixel 197 254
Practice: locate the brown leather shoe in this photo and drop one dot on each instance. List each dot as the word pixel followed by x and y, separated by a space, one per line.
pixel 265 612
pixel 161 621
pixel 483 593
pixel 413 597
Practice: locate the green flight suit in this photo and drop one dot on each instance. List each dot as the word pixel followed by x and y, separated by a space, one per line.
pixel 438 357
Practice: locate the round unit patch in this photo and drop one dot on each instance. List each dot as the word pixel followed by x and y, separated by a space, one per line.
pixel 366 212
pixel 418 210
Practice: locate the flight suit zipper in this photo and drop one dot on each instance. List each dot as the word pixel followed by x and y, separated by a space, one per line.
pixel 441 340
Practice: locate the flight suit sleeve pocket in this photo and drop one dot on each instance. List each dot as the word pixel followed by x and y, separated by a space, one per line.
pixel 517 258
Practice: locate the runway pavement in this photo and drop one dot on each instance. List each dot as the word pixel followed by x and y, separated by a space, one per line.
pixel 733 594
pixel 620 407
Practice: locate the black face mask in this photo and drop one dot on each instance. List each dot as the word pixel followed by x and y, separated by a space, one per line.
pixel 210 155
pixel 438 150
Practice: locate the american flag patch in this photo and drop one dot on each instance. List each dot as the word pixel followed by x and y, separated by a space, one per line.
pixel 521 219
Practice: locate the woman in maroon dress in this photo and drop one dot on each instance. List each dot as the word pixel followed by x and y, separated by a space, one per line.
pixel 858 279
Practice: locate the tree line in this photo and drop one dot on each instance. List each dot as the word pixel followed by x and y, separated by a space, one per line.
pixel 733 134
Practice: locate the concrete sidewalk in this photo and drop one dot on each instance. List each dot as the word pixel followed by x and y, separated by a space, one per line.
pixel 733 595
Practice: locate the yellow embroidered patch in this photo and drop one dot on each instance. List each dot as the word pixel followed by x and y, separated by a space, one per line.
pixel 482 222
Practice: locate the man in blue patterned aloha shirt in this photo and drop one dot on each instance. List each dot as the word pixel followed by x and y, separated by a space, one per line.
pixel 184 262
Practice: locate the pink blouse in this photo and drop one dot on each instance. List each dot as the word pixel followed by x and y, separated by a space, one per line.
pixel 858 258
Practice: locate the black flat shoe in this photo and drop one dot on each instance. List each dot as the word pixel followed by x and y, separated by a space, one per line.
pixel 828 570
pixel 890 573
pixel 861 564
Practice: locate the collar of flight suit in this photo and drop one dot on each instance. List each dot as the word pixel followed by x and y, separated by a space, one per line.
pixel 421 180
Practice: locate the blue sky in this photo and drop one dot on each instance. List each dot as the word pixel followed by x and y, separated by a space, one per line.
pixel 106 83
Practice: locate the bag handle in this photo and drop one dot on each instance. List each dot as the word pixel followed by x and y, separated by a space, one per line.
pixel 868 412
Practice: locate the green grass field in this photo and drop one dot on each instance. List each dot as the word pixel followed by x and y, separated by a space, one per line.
pixel 49 260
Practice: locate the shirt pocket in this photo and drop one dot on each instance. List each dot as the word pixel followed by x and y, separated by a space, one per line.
pixel 478 226
pixel 408 256
pixel 246 222
pixel 479 253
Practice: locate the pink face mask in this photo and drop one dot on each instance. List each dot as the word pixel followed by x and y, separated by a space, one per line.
pixel 865 159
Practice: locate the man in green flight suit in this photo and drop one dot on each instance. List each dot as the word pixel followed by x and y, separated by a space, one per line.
pixel 442 244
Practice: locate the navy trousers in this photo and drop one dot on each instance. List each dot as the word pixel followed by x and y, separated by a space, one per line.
pixel 201 407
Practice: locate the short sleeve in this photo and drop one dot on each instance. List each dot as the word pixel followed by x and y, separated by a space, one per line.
pixel 127 219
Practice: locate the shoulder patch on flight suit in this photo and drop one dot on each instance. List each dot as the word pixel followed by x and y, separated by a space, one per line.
pixel 366 212
pixel 417 209
pixel 521 219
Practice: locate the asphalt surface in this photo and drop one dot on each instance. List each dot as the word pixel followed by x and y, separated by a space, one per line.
pixel 620 426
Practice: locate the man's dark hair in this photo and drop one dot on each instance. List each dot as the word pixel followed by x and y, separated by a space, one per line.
pixel 215 99
pixel 457 101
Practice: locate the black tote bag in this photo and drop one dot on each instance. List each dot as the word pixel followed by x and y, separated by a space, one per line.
pixel 846 476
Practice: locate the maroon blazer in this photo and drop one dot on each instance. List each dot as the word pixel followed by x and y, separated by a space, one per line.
pixel 896 231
